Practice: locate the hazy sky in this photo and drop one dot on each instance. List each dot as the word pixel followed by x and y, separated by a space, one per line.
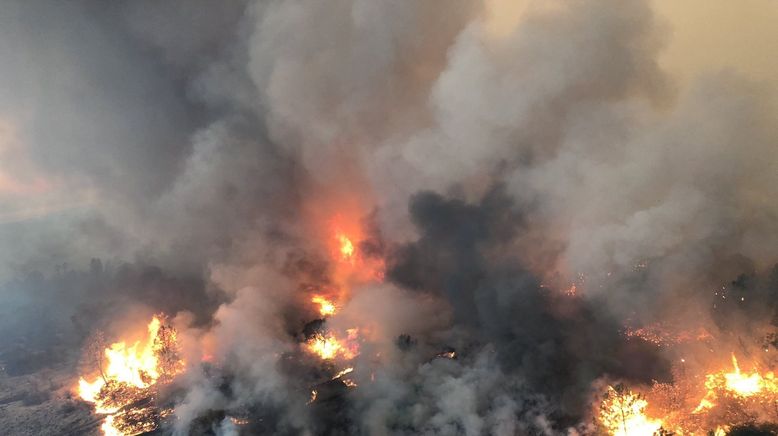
pixel 713 34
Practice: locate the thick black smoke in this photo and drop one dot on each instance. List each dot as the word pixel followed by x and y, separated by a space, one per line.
pixel 558 344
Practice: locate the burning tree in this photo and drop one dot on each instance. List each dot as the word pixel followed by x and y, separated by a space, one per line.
pixel 622 413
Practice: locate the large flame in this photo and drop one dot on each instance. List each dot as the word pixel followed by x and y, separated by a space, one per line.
pixel 622 413
pixel 746 385
pixel 128 374
pixel 135 365
pixel 326 307
pixel 737 384
pixel 698 401
pixel 351 265
pixel 328 347
pixel 108 427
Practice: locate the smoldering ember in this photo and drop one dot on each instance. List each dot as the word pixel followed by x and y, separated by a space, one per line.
pixel 389 218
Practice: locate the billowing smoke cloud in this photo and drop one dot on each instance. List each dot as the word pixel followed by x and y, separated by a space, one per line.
pixel 187 157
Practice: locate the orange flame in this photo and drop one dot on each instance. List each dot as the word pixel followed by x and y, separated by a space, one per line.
pixel 135 365
pixel 328 347
pixel 736 384
pixel 326 307
pixel 314 394
pixel 130 371
pixel 346 233
pixel 622 413
pixel 108 427
pixel 746 385
pixel 340 374
pixel 346 247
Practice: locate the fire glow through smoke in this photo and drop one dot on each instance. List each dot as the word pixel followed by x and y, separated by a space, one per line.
pixel 346 247
pixel 328 347
pixel 492 217
pixel 326 307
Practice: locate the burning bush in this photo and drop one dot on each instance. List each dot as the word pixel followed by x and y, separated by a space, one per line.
pixel 128 377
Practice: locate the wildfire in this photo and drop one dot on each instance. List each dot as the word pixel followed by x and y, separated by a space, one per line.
pixel 342 373
pixel 346 247
pixel 730 397
pixel 328 347
pixel 108 427
pixel 737 384
pixel 622 413
pixel 314 394
pixel 346 381
pixel 326 307
pixel 747 385
pixel 239 421
pixel 345 235
pixel 349 268
pixel 448 354
pixel 666 336
pixel 130 373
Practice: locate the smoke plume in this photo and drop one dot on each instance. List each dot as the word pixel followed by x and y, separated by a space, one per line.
pixel 519 187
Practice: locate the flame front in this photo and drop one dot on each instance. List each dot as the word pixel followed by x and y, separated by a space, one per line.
pixel 698 401
pixel 127 377
pixel 736 384
pixel 751 384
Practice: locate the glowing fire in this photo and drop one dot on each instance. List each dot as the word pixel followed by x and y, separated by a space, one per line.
pixel 737 384
pixel 342 373
pixel 314 394
pixel 450 354
pixel 721 431
pixel 665 336
pixel 346 247
pixel 108 427
pixel 622 413
pixel 129 372
pixel 349 268
pixel 328 347
pixel 326 307
pixel 133 365
pixel 747 385
pixel 345 234
pixel 730 397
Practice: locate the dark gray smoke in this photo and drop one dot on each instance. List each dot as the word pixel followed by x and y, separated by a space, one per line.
pixel 178 157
